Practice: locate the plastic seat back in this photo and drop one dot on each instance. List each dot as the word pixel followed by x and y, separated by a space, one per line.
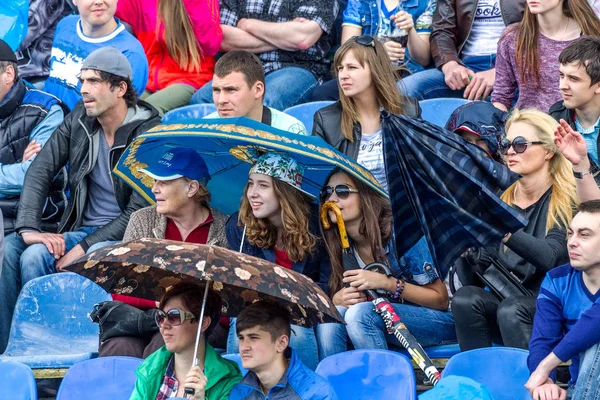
pixel 51 320
pixel 370 374
pixel 503 370
pixel 110 378
pixel 236 357
pixel 194 111
pixel 306 112
pixel 16 381
pixel 437 111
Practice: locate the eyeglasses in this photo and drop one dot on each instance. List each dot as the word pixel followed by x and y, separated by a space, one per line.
pixel 519 144
pixel 365 40
pixel 175 317
pixel 342 191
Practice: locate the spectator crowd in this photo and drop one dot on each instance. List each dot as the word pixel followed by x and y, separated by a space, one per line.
pixel 92 75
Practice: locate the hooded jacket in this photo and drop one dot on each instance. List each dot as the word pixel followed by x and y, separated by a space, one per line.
pixel 298 383
pixel 76 143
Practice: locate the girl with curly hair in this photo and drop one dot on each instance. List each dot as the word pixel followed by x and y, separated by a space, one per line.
pixel 278 222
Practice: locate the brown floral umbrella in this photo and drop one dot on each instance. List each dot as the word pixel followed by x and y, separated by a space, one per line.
pixel 147 267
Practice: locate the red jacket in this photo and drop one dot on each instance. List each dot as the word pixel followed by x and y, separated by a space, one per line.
pixel 142 15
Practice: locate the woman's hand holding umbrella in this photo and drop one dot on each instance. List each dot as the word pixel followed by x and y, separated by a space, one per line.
pixel 195 379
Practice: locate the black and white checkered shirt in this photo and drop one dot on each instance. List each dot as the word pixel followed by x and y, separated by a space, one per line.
pixel 323 12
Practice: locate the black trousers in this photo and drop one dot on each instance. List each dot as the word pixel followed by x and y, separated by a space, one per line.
pixel 481 318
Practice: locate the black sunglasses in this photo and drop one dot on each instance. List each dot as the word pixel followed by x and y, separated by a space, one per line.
pixel 342 191
pixel 365 40
pixel 519 144
pixel 175 317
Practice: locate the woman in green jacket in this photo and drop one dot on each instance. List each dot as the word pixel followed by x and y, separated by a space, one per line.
pixel 168 371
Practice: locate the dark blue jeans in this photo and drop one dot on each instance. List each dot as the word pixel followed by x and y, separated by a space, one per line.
pixel 430 84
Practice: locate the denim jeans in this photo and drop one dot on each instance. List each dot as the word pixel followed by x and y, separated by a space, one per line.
pixel 303 341
pixel 23 263
pixel 430 84
pixel 100 245
pixel 285 87
pixel 367 330
pixel 587 386
pixel 332 338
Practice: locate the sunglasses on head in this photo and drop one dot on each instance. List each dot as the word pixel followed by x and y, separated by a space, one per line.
pixel 342 191
pixel 175 317
pixel 365 40
pixel 519 144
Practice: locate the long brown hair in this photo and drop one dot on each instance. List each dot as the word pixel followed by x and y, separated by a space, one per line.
pixel 179 34
pixel 376 226
pixel 527 32
pixel 564 195
pixel 382 76
pixel 297 240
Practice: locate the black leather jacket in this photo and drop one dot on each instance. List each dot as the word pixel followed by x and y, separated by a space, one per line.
pixel 75 142
pixel 328 122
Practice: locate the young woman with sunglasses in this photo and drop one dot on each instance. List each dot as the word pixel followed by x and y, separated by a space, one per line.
pixel 527 57
pixel 546 196
pixel 420 298
pixel 278 222
pixel 168 371
pixel 367 84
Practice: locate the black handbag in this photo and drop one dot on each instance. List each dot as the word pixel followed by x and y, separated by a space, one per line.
pixel 119 319
pixel 502 282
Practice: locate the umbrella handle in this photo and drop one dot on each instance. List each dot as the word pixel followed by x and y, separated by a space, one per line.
pixel 191 391
pixel 340 221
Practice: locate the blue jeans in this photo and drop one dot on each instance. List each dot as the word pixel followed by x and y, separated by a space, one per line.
pixel 23 263
pixel 430 84
pixel 285 87
pixel 100 245
pixel 332 338
pixel 587 387
pixel 367 330
pixel 303 341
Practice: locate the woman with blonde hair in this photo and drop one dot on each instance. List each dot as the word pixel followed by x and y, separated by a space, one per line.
pixel 546 196
pixel 180 38
pixel 527 56
pixel 367 84
pixel 278 222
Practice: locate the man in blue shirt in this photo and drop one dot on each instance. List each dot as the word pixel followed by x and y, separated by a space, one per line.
pixel 76 36
pixel 567 319
pixel 274 370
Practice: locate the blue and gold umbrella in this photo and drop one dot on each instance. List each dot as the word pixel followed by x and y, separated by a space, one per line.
pixel 229 148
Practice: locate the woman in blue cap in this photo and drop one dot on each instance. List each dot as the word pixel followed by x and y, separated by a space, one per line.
pixel 181 213
pixel 278 222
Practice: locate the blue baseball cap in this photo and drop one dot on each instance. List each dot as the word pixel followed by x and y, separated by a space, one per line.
pixel 177 163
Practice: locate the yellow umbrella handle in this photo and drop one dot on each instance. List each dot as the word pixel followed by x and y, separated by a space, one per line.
pixel 340 221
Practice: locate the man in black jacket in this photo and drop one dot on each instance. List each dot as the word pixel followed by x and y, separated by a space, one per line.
pixel 580 90
pixel 90 141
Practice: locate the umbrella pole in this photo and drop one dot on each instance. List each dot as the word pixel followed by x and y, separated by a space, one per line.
pixel 191 391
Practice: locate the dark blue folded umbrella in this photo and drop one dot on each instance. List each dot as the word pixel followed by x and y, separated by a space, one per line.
pixel 445 189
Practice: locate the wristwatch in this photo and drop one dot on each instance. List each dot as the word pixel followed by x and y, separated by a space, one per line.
pixel 580 175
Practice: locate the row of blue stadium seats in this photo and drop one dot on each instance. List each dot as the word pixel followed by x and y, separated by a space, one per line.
pixel 357 374
pixel 435 111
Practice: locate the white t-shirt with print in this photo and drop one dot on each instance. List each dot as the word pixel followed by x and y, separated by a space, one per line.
pixel 486 30
pixel 370 156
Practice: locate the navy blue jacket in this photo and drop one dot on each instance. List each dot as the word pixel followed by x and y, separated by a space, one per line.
pixel 317 266
pixel 298 383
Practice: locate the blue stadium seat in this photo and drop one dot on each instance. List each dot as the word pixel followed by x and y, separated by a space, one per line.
pixel 110 378
pixel 16 381
pixel 236 357
pixel 306 112
pixel 51 327
pixel 503 370
pixel 370 374
pixel 437 111
pixel 198 111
